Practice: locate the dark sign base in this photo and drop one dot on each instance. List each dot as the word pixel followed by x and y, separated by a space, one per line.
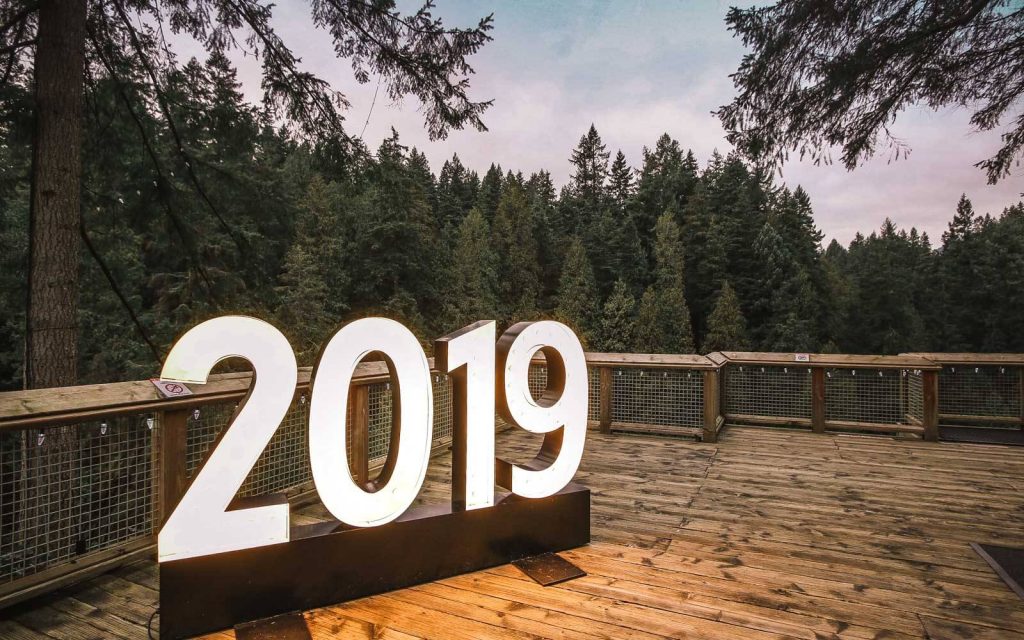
pixel 329 563
pixel 547 569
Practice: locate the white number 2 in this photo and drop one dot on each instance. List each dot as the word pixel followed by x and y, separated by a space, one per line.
pixel 201 524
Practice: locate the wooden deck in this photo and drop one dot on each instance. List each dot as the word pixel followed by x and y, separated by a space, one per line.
pixel 767 534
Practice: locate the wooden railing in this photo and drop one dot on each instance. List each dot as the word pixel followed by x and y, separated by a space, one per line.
pixel 88 473
pixel 979 388
pixel 893 394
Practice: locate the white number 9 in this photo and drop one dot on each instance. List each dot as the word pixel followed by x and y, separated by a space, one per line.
pixel 560 413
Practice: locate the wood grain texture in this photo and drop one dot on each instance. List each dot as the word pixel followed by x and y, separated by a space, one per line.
pixel 769 533
pixel 825 360
pixel 979 359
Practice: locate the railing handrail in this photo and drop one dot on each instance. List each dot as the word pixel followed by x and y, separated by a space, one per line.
pixel 650 360
pixel 856 361
pixel 976 359
pixel 40 408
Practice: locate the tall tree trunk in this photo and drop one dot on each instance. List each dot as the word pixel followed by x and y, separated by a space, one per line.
pixel 51 350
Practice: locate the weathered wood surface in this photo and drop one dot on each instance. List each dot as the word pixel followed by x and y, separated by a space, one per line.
pixel 976 359
pixel 650 360
pixel 768 534
pixel 824 360
pixel 43 407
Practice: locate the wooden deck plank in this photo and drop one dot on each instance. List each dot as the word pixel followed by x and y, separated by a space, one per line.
pixel 767 534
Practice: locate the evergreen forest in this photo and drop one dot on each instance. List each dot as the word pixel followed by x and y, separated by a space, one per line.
pixel 229 213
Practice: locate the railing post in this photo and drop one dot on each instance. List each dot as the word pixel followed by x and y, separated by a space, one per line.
pixel 712 410
pixel 1020 379
pixel 930 393
pixel 359 434
pixel 818 399
pixel 173 448
pixel 606 390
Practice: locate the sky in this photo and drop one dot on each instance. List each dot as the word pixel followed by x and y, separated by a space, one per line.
pixel 636 70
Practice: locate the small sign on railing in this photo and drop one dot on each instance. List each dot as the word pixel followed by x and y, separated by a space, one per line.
pixel 170 389
pixel 803 357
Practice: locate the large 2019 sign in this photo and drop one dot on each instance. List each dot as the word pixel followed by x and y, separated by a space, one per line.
pixel 483 371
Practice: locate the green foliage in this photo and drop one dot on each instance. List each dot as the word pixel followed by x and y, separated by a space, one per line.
pixel 265 224
pixel 663 323
pixel 470 295
pixel 314 289
pixel 826 75
pixel 578 302
pixel 727 329
pixel 616 328
pixel 515 243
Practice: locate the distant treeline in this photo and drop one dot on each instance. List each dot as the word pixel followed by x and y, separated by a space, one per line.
pixel 226 214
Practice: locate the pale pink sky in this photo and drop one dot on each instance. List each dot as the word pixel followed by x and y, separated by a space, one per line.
pixel 638 69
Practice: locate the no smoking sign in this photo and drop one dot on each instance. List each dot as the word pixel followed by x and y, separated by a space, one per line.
pixel 170 389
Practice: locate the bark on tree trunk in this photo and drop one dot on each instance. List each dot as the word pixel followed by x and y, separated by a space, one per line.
pixel 51 349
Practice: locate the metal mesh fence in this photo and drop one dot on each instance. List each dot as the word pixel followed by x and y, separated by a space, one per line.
pixel 381 407
pixel 782 392
pixel 659 397
pixel 866 395
pixel 538 382
pixel 282 465
pixel 66 491
pixel 975 393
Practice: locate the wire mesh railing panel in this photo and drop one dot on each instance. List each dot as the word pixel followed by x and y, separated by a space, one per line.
pixel 382 407
pixel 986 391
pixel 538 381
pixel 284 464
pixel 780 392
pixel 866 395
pixel 70 490
pixel 658 397
pixel 203 426
pixel 442 410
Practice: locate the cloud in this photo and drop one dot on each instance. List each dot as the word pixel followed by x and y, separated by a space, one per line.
pixel 636 70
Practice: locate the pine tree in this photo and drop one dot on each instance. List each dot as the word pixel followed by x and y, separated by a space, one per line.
pixel 790 298
pixel 474 274
pixel 395 256
pixel 454 196
pixel 648 336
pixel 620 182
pixel 577 294
pixel 669 280
pixel 313 287
pixel 515 243
pixel 586 186
pixel 540 191
pixel 667 179
pixel 489 194
pixel 706 265
pixel 727 329
pixel 616 328
pixel 590 167
pixel 663 324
